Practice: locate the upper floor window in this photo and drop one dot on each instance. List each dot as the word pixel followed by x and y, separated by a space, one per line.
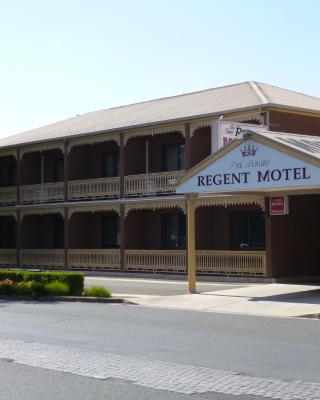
pixel 58 169
pixel 12 174
pixel 110 164
pixel 173 157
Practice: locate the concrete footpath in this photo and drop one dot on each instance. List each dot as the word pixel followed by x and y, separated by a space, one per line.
pixel 277 300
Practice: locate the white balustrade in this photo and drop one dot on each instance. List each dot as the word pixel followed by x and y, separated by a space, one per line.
pixel 8 257
pixel 42 258
pixel 42 193
pixel 156 260
pixel 8 195
pixel 94 259
pixel 231 262
pixel 154 183
pixel 94 188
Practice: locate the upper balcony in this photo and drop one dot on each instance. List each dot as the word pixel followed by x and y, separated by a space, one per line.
pixel 42 176
pixel 153 165
pixel 93 171
pixel 145 162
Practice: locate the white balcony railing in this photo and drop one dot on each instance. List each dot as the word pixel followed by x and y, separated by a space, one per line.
pixel 42 258
pixel 208 262
pixel 155 260
pixel 231 262
pixel 8 257
pixel 94 188
pixel 42 193
pixel 94 259
pixel 8 195
pixel 155 183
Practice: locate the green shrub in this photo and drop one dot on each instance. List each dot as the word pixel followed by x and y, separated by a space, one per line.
pixel 7 287
pixel 57 288
pixel 31 288
pixel 97 291
pixel 74 280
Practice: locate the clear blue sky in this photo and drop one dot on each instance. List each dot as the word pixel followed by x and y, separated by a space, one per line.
pixel 60 58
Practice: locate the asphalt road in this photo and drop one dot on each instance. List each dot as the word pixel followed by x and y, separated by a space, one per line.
pixel 29 383
pixel 156 287
pixel 258 346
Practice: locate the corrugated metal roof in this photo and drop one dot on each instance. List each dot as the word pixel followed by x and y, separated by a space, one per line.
pixel 219 100
pixel 306 144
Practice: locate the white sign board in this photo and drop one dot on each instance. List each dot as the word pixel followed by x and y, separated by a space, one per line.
pixel 223 132
pixel 252 166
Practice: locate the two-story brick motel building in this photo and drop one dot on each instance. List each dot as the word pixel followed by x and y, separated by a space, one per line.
pixel 98 191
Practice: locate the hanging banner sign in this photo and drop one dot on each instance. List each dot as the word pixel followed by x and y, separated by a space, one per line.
pixel 279 205
pixel 223 132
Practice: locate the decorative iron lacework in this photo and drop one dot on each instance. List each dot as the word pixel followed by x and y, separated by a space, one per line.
pixel 42 147
pixel 42 211
pixel 231 201
pixel 154 131
pixel 199 124
pixel 11 152
pixel 155 205
pixel 94 208
pixel 8 213
pixel 94 139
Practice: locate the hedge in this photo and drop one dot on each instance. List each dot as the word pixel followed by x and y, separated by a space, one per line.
pixel 74 280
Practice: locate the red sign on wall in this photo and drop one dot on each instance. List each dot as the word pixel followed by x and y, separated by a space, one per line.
pixel 279 205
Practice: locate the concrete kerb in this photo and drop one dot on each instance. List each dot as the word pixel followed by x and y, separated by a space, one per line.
pixel 83 299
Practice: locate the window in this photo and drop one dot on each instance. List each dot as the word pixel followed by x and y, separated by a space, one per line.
pixel 248 230
pixel 58 169
pixel 173 157
pixel 12 174
pixel 58 233
pixel 110 164
pixel 173 231
pixel 12 234
pixel 110 234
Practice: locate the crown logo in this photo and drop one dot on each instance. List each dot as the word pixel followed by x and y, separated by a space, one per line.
pixel 248 151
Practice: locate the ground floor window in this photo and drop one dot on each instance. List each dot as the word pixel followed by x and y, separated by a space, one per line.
pixel 248 230
pixel 173 231
pixel 111 232
pixel 58 233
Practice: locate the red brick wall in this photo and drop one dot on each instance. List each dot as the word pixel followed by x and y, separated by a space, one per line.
pixel 294 123
pixel 200 145
pixel 295 238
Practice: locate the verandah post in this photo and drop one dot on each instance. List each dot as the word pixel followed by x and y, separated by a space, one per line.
pixel 191 245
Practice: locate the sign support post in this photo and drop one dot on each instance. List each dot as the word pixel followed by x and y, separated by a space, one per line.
pixel 191 253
